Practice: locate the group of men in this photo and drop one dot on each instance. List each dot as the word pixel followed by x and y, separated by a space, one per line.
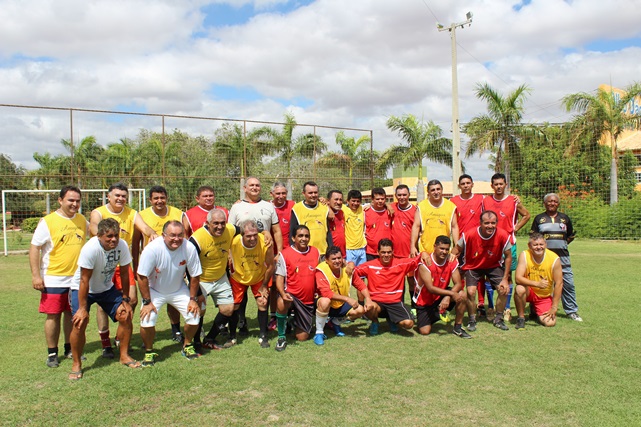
pixel 297 258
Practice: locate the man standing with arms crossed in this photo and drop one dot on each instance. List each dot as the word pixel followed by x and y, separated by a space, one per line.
pixel 53 257
pixel 378 223
pixel 313 214
pixel 435 216
pixel 355 241
pixel 402 222
pixel 337 224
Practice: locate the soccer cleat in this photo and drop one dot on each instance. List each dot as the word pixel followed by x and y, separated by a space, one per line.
pixel 373 328
pixel 336 328
pixel 52 360
pixel 230 343
pixel 281 344
pixel 575 317
pixel 222 330
pixel 263 341
pixel 507 314
pixel 178 337
pixel 149 360
pixel 445 316
pixel 471 326
pixel 319 339
pixel 459 332
pixel 272 325
pixel 499 323
pixel 108 353
pixel 520 323
pixel 189 352
pixel 490 314
pixel 212 345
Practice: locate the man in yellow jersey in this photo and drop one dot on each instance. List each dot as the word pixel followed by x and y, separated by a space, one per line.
pixel 53 257
pixel 213 243
pixel 435 216
pixel 314 215
pixel 252 265
pixel 539 281
pixel 155 216
pixel 128 219
pixel 355 241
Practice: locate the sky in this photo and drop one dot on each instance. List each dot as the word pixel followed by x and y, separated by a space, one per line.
pixel 337 63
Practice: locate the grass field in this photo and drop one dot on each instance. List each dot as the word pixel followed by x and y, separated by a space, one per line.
pixel 576 374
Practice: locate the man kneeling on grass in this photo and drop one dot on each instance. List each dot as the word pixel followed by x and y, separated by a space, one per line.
pixel 539 281
pixel 93 283
pixel 163 265
pixel 432 295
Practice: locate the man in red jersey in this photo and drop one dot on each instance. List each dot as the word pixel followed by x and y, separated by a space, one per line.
pixel 385 281
pixel 403 213
pixel 488 253
pixel 508 208
pixel 337 224
pixel 296 285
pixel 205 201
pixel 434 297
pixel 378 223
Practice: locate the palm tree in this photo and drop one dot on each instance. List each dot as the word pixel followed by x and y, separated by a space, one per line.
pixel 353 151
pixel 500 128
pixel 423 141
pixel 49 167
pixel 85 157
pixel 604 115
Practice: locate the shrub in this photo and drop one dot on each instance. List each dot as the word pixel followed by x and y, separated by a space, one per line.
pixel 29 224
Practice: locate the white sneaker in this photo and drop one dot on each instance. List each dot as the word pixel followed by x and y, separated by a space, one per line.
pixel 575 317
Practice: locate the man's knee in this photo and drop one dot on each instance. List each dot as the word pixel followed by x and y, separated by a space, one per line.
pixel 226 309
pixel 425 330
pixel 323 304
pixel 520 291
pixel 471 292
pixel 406 324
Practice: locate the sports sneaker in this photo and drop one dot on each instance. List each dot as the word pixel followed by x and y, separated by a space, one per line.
pixel 459 332
pixel 336 328
pixel 507 314
pixel 281 344
pixel 499 323
pixel 481 310
pixel 189 352
pixel 222 330
pixel 230 343
pixel 263 341
pixel 471 326
pixel 444 316
pixel 490 314
pixel 178 337
pixel 575 317
pixel 243 330
pixel 52 360
pixel 373 328
pixel 319 339
pixel 520 323
pixel 108 353
pixel 272 325
pixel 212 345
pixel 149 360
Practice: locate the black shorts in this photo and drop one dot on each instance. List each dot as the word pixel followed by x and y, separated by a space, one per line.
pixel 303 315
pixel 340 311
pixel 493 275
pixel 429 314
pixel 396 312
pixel 370 257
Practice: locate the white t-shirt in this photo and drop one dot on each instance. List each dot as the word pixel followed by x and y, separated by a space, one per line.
pixel 262 212
pixel 103 263
pixel 164 268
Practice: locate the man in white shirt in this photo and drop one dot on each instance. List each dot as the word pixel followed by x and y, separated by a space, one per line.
pixel 93 283
pixel 162 267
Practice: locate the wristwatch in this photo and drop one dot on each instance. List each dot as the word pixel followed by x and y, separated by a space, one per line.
pixel 146 301
pixel 194 299
pixel 126 299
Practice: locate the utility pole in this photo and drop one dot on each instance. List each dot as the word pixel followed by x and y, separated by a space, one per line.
pixel 456 140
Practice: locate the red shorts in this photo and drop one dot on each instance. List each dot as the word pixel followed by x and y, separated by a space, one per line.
pixel 116 278
pixel 238 289
pixel 54 301
pixel 540 304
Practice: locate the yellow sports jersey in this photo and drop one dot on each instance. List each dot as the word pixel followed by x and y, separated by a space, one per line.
pixel 338 285
pixel 158 222
pixel 214 252
pixel 68 235
pixel 125 219
pixel 536 272
pixel 435 222
pixel 316 220
pixel 248 265
pixel 354 228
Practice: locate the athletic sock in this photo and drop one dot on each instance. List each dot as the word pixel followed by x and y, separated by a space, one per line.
pixel 233 324
pixel 509 297
pixel 473 318
pixel 490 295
pixel 498 318
pixel 281 324
pixel 67 348
pixel 104 338
pixel 457 326
pixel 52 351
pixel 219 320
pixel 175 328
pixel 263 319
pixel 199 331
pixel 321 319
pixel 242 309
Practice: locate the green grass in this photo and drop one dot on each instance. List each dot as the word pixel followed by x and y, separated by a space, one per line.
pixel 576 374
pixel 17 240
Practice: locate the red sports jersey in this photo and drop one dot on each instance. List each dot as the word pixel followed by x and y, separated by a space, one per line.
pixel 197 216
pixel 284 212
pixel 402 222
pixel 337 227
pixel 484 253
pixel 441 276
pixel 506 211
pixel 385 284
pixel 299 270
pixel 468 211
pixel 377 226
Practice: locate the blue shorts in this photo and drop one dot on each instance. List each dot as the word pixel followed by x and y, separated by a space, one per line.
pixel 340 311
pixel 109 300
pixel 357 256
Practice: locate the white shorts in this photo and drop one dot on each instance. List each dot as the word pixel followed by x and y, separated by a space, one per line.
pixel 179 300
pixel 220 290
